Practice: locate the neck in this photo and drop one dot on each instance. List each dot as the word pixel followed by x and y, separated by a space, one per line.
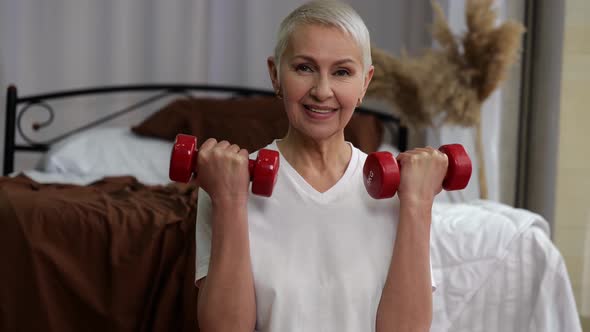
pixel 326 157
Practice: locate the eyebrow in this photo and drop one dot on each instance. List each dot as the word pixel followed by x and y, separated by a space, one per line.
pixel 339 62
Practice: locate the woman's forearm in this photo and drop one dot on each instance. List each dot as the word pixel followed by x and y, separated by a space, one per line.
pixel 406 301
pixel 226 298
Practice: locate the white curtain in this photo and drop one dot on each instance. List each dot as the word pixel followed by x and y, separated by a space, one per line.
pixel 48 45
pixel 60 44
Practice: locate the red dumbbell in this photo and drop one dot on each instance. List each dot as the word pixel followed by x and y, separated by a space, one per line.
pixel 263 170
pixel 381 172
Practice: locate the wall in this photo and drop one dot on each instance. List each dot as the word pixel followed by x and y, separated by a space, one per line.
pixel 572 204
pixel 538 171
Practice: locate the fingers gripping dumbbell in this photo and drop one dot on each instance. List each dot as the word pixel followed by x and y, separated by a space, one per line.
pixel 381 172
pixel 263 170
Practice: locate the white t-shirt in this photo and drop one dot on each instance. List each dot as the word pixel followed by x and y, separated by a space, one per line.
pixel 319 260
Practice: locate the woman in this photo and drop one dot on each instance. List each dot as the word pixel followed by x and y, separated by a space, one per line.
pixel 320 254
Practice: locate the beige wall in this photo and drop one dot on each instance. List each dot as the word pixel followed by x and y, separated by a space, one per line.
pixel 572 210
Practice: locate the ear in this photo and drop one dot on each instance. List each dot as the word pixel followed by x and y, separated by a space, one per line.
pixel 273 72
pixel 368 77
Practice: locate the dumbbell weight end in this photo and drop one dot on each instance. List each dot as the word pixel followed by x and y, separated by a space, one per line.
pixel 183 158
pixel 459 169
pixel 381 175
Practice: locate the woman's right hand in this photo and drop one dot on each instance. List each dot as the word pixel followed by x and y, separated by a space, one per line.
pixel 223 172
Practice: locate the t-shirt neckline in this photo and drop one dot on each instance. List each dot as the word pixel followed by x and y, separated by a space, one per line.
pixel 309 191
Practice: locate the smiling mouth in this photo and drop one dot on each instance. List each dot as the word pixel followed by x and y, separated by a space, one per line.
pixel 318 110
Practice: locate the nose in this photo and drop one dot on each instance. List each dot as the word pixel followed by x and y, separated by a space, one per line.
pixel 322 89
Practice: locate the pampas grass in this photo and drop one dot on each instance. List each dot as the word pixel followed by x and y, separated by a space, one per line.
pixel 447 85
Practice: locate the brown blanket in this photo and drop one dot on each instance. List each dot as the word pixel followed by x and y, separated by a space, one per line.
pixel 115 255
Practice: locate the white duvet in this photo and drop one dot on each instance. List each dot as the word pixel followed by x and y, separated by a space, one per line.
pixel 497 270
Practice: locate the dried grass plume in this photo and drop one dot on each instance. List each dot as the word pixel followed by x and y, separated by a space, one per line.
pixel 449 83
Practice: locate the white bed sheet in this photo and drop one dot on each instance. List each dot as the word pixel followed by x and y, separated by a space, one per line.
pixel 101 152
pixel 497 270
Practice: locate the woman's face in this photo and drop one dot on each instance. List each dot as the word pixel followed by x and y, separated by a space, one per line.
pixel 321 80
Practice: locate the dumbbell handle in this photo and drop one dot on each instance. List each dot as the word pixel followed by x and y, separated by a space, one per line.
pixel 456 164
pixel 194 165
pixel 263 170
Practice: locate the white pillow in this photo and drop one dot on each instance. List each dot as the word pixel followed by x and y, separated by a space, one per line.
pixel 111 152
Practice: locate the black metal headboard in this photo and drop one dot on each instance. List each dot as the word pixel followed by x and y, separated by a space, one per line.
pixel 17 106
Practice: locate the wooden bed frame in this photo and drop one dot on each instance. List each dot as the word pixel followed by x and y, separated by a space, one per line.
pixel 17 105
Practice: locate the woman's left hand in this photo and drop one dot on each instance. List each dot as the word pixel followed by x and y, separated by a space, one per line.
pixel 422 172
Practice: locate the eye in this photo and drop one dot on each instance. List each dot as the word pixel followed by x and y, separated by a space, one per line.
pixel 303 68
pixel 342 72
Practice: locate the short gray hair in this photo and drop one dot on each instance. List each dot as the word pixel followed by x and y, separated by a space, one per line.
pixel 329 13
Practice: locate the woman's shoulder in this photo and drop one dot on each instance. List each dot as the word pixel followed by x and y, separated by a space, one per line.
pixel 382 148
pixel 357 153
pixel 271 146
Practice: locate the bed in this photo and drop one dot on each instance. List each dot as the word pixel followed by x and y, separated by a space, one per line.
pixel 96 237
